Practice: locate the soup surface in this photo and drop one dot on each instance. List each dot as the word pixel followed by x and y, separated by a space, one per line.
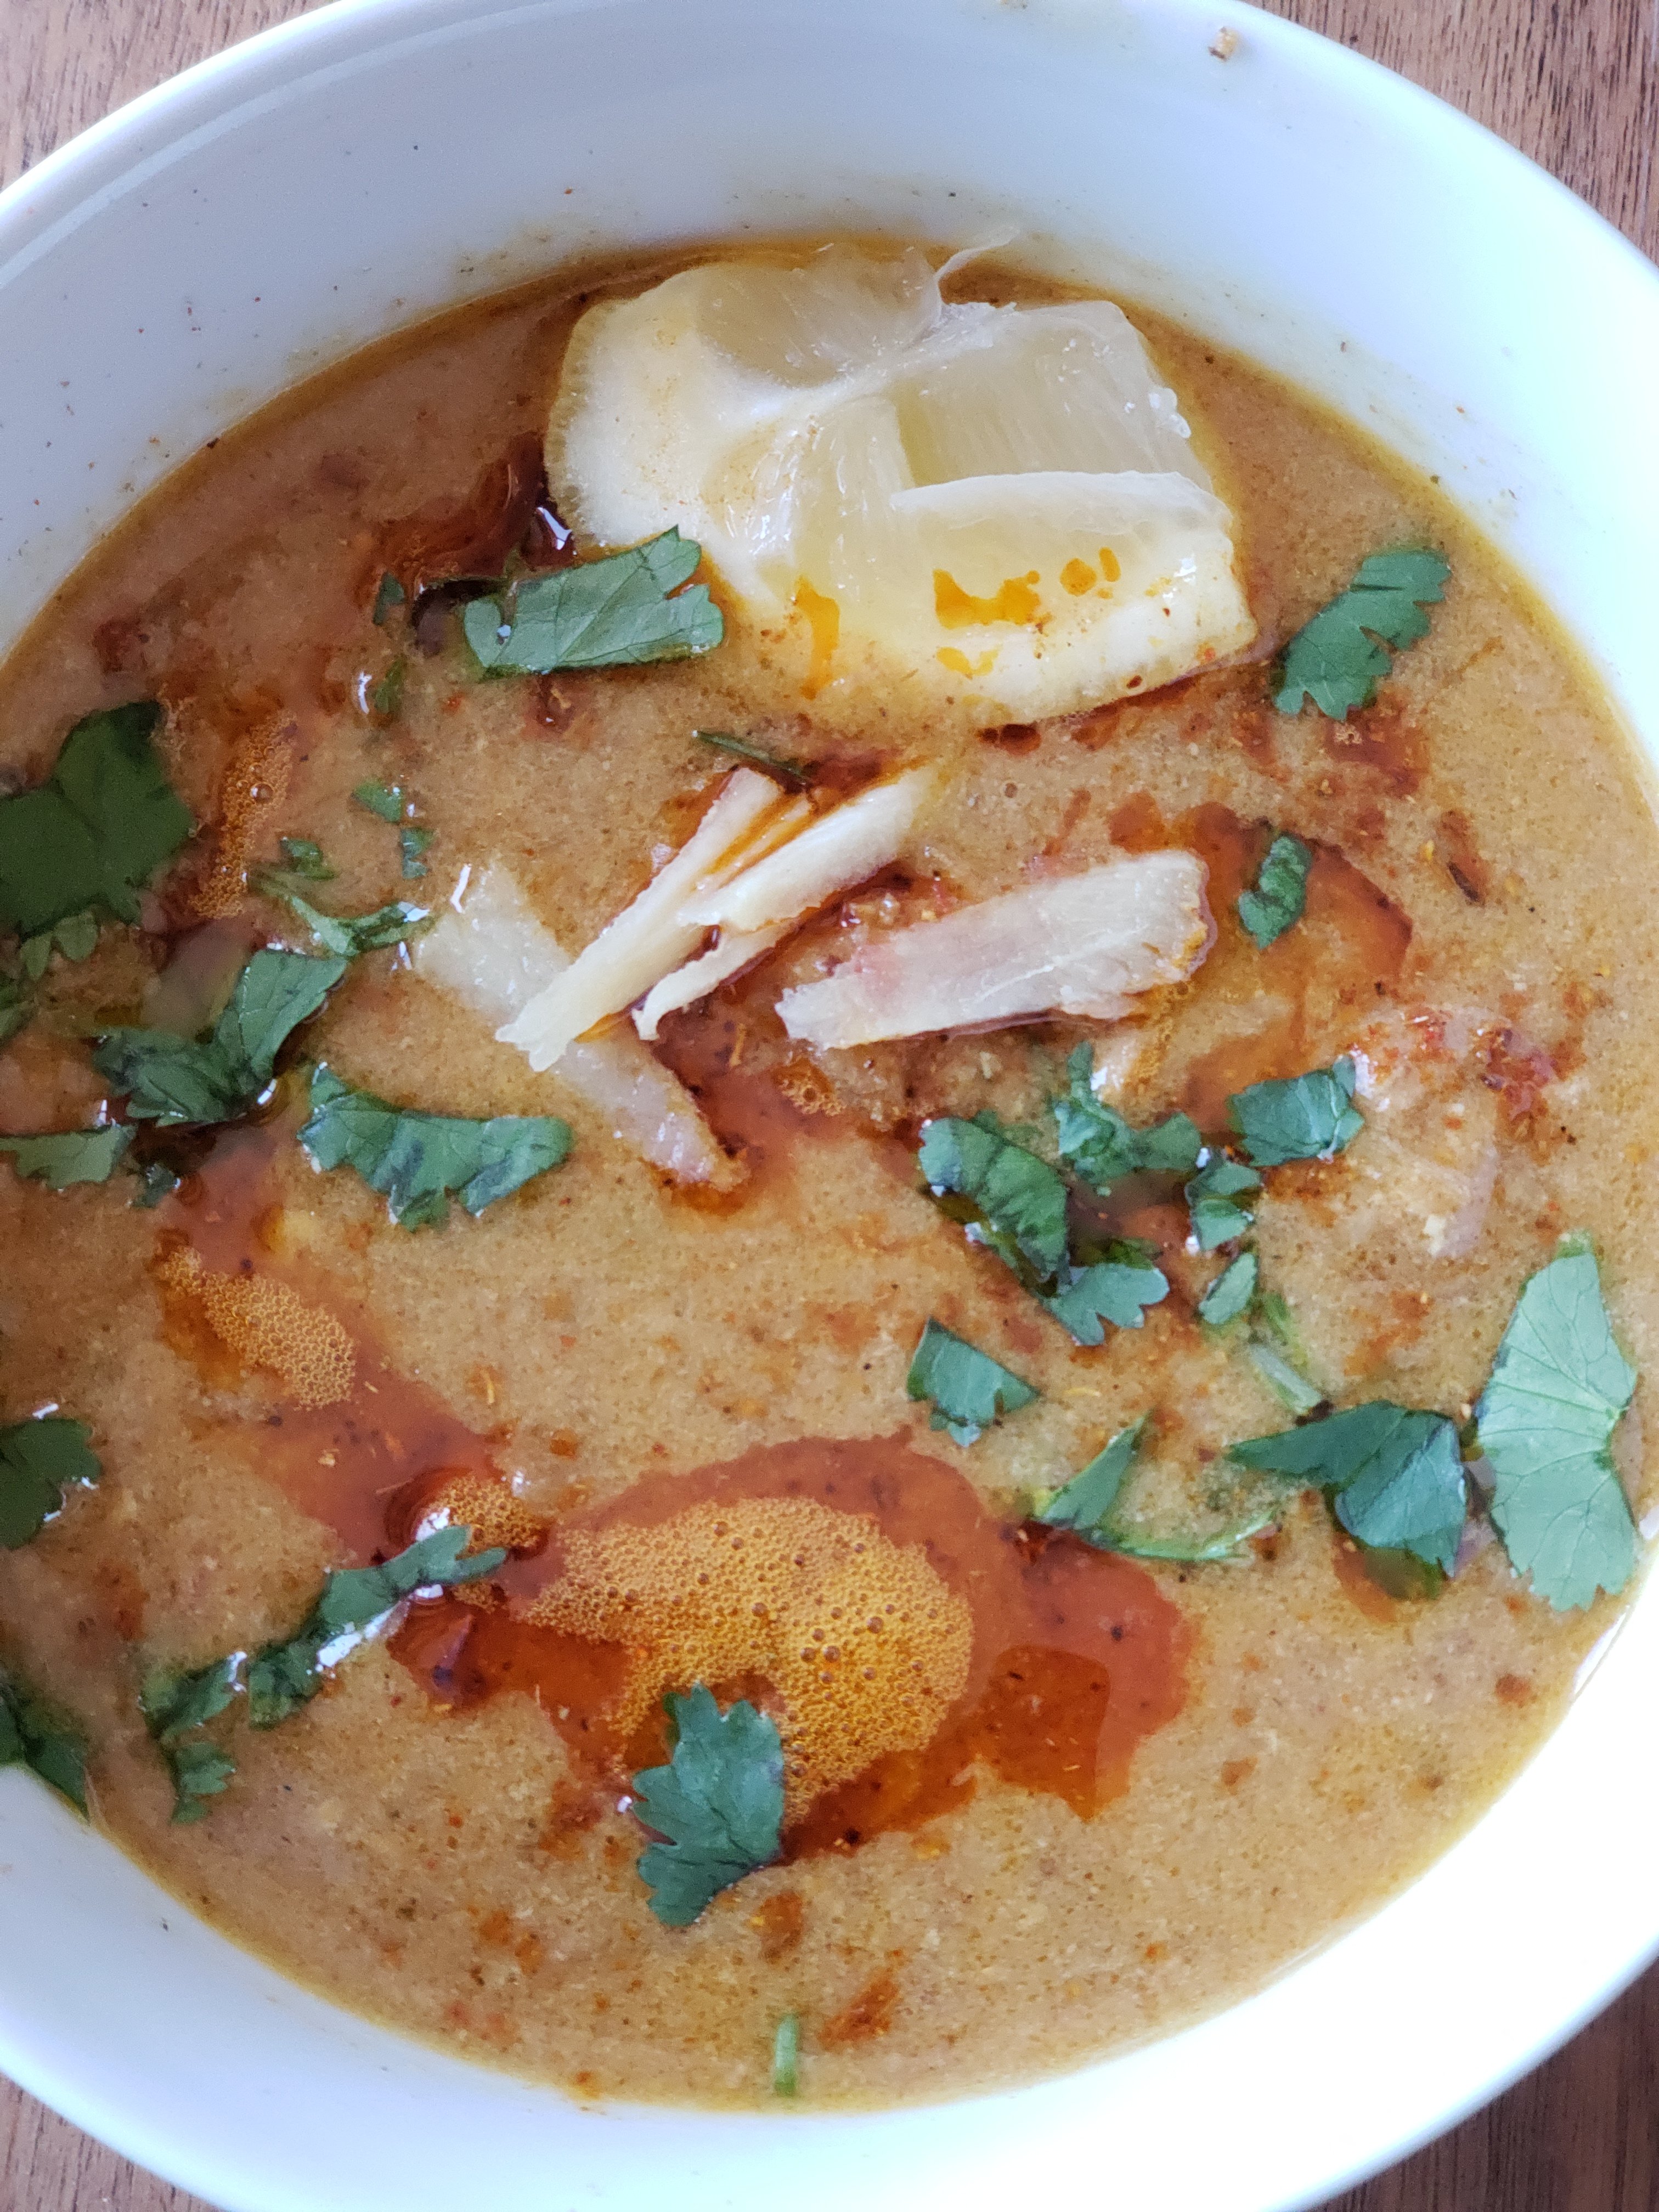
pixel 1044 1790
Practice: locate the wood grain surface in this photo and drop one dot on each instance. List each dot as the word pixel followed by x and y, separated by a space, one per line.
pixel 1575 83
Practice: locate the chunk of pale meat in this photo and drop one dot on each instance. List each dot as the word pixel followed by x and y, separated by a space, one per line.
pixel 1085 945
pixel 495 956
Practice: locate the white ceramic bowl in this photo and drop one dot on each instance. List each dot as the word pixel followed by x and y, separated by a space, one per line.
pixel 358 168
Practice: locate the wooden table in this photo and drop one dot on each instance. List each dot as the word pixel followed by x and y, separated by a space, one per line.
pixel 1576 84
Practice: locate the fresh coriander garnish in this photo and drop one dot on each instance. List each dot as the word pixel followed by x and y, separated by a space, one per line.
pixel 616 612
pixel 31 1736
pixel 1395 1476
pixel 412 841
pixel 417 1160
pixel 1233 1291
pixel 387 599
pixel 76 937
pixel 352 935
pixel 39 1461
pixel 1558 1388
pixel 170 1078
pixel 1211 1197
pixel 1021 1199
pixel 788 771
pixel 74 1155
pixel 386 697
pixel 1339 657
pixel 1288 1384
pixel 386 799
pixel 1112 1289
pixel 1086 1506
pixel 1305 1117
pixel 16 1007
pixel 284 1676
pixel 88 838
pixel 785 2056
pixel 967 1387
pixel 1097 1140
pixel 304 856
pixel 174 1705
pixel 1281 891
pixel 718 1804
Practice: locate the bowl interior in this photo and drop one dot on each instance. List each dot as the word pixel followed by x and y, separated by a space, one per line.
pixel 364 166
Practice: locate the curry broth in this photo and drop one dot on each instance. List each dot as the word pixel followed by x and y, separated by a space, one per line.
pixel 1155 1786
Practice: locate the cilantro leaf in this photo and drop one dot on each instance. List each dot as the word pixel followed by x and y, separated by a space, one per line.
pixel 199 1770
pixel 174 1705
pixel 1022 1198
pixel 1305 1117
pixel 1101 1145
pixel 1287 1383
pixel 790 771
pixel 1557 1390
pixel 1338 659
pixel 1110 1290
pixel 16 1007
pixel 1233 1291
pixel 1395 1476
pixel 284 1676
pixel 1280 892
pixel 786 2055
pixel 616 612
pixel 1210 1194
pixel 417 1160
pixel 388 598
pixel 76 937
pixel 304 856
pixel 171 1079
pixel 412 841
pixel 1084 1505
pixel 350 935
pixel 39 1460
pixel 967 1387
pixel 30 1736
pixel 718 1804
pixel 385 698
pixel 386 800
pixel 96 830
pixel 75 1155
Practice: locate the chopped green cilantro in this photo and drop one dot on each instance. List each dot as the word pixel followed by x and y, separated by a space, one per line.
pixel 1233 1291
pixel 967 1387
pixel 785 2056
pixel 39 1460
pixel 175 1704
pixel 794 772
pixel 1101 1145
pixel 156 1181
pixel 199 1771
pixel 284 1676
pixel 352 935
pixel 386 800
pixel 1287 1383
pixel 1211 1196
pixel 75 1155
pixel 616 612
pixel 1085 1505
pixel 171 1079
pixel 1558 1388
pixel 1339 657
pixel 718 1804
pixel 16 1007
pixel 1305 1117
pixel 417 1160
pixel 385 698
pixel 76 937
pixel 1395 1476
pixel 1281 891
pixel 31 1736
pixel 1020 1198
pixel 305 857
pixel 1112 1290
pixel 390 596
pixel 412 841
pixel 97 830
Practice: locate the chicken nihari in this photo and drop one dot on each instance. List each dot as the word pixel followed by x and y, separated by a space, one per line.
pixel 824 1095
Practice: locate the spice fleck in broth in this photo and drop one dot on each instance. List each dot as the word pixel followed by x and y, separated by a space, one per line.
pixel 816 1093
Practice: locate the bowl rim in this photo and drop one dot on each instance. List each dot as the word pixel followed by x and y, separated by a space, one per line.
pixel 64 187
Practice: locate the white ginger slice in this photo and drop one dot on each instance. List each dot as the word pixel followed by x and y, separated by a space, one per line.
pixel 735 952
pixel 840 848
pixel 647 940
pixel 495 956
pixel 1082 944
pixel 1002 499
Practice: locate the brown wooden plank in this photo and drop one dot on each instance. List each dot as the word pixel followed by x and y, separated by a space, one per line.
pixel 1575 83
